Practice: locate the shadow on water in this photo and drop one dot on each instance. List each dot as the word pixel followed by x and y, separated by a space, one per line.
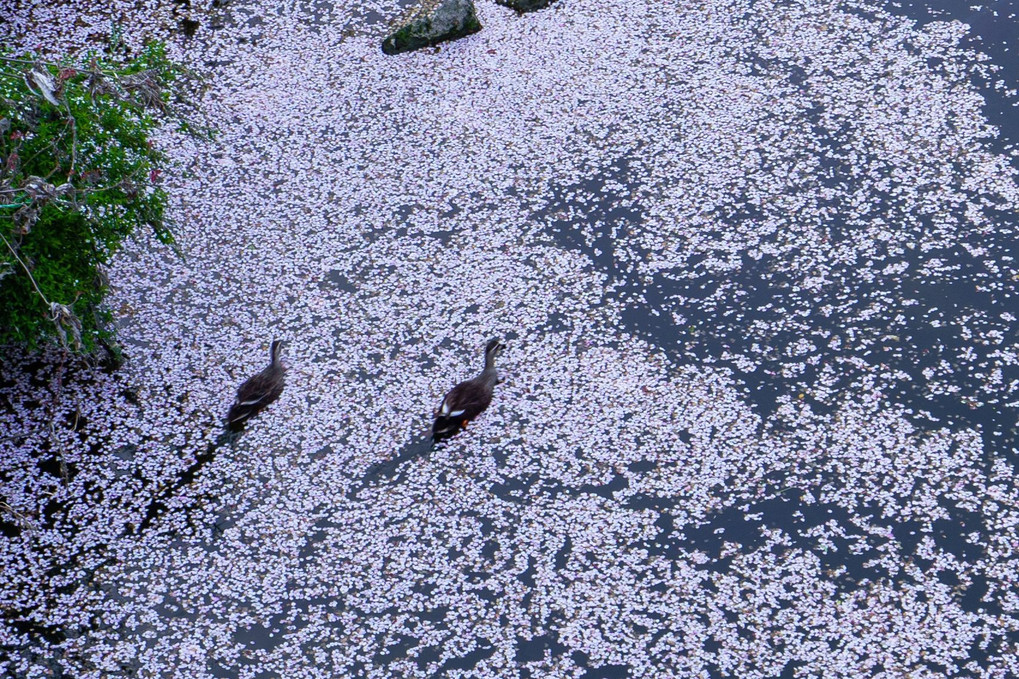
pixel 388 470
pixel 765 293
pixel 158 504
pixel 81 569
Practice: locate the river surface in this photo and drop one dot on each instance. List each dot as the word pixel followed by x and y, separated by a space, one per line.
pixel 755 267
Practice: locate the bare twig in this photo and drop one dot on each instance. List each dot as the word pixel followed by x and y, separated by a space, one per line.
pixel 36 62
pixel 74 137
pixel 65 319
pixel 60 314
pixel 18 516
pixel 25 267
pixel 14 60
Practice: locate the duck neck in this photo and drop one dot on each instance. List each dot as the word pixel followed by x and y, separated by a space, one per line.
pixel 489 375
pixel 274 352
pixel 490 362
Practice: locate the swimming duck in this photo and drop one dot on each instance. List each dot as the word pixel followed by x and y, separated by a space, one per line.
pixel 258 391
pixel 468 399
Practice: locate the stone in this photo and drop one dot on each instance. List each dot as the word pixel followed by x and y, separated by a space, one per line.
pixel 432 22
pixel 523 6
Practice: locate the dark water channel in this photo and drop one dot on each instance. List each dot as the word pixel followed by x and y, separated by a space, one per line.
pixel 767 291
pixel 969 302
pixel 898 340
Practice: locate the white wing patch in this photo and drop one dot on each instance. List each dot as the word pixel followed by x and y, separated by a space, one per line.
pixel 445 412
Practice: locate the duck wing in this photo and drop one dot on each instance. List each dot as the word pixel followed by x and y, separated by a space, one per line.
pixel 265 387
pixel 255 394
pixel 466 400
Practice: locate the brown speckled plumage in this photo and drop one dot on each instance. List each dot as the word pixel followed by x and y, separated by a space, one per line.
pixel 258 391
pixel 468 399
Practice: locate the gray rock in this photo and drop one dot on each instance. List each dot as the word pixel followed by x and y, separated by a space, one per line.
pixel 525 5
pixel 432 22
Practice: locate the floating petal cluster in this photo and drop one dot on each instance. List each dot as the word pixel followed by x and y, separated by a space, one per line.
pixel 755 262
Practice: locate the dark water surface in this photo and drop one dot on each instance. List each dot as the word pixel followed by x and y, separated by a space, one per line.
pixel 446 595
pixel 899 339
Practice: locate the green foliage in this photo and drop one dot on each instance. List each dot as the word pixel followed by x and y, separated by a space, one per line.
pixel 78 173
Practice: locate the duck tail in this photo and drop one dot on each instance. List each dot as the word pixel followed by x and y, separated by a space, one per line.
pixel 236 418
pixel 444 427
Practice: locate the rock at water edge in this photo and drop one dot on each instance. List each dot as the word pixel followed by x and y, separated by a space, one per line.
pixel 525 5
pixel 432 22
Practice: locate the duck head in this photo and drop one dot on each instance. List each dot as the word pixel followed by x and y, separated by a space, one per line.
pixel 275 351
pixel 492 351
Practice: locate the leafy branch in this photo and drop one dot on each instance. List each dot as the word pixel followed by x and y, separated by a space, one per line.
pixel 78 173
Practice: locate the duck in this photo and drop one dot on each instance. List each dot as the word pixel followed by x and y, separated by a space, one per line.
pixel 469 398
pixel 259 390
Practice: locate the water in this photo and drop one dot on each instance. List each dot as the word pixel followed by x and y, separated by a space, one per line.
pixel 759 397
